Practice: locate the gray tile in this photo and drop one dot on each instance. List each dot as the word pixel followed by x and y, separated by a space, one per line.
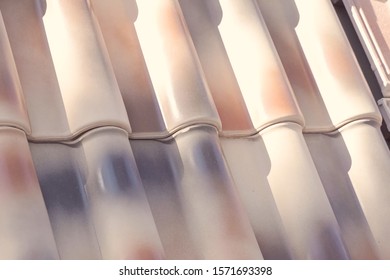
pixel 197 190
pixel 95 198
pixel 25 231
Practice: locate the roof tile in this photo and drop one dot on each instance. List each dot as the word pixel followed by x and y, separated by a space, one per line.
pixel 35 68
pixel 311 41
pixel 25 231
pixel 299 195
pixel 260 75
pixel 196 188
pixel 12 106
pixel 174 68
pixel 95 193
pixel 253 132
pixel 89 91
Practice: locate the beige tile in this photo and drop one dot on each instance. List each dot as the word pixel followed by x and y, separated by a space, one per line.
pixel 202 18
pixel 25 231
pixel 320 50
pixel 121 214
pixel 250 166
pixel 259 73
pixel 86 80
pixel 333 163
pixel 173 66
pixel 116 20
pixel 193 197
pixel 12 105
pixel 35 68
pixel 307 216
pixel 369 173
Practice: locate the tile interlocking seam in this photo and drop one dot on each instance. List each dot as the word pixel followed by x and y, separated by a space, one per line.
pixel 181 129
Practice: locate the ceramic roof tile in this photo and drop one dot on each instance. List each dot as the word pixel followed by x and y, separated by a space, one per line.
pixel 159 166
pixel 366 145
pixel 122 217
pixel 203 18
pixel 331 78
pixel 82 98
pixel 173 66
pixel 211 202
pixel 333 171
pixel 116 20
pixel 250 176
pixel 35 67
pixel 25 231
pixel 253 132
pixel 196 187
pixel 355 186
pixel 88 88
pixel 93 194
pixel 61 177
pixel 265 89
pixel 305 211
pixel 12 107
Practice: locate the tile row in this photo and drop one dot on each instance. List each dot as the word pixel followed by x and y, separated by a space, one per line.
pixel 96 198
pixel 309 180
pixel 280 194
pixel 153 68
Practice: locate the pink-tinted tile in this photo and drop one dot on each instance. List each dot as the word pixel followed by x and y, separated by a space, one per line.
pixel 23 21
pixel 195 73
pixel 332 75
pixel 25 231
pixel 259 73
pixel 173 66
pixel 116 20
pixel 86 80
pixel 281 17
pixel 35 68
pixel 202 18
pixel 12 106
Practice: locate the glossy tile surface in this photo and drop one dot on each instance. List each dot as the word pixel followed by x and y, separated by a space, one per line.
pixel 174 69
pixel 310 40
pixel 25 231
pixel 12 106
pixel 197 180
pixel 179 129
pixel 95 198
pixel 354 175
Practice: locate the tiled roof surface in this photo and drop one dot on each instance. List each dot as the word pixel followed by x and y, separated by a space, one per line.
pixel 182 129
